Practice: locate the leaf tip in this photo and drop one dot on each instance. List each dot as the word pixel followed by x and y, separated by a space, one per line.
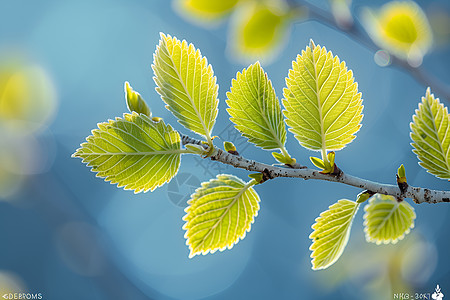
pixel 162 35
pixel 192 253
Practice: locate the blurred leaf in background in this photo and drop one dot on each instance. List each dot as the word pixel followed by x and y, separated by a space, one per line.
pixel 377 272
pixel 401 28
pixel 258 29
pixel 205 11
pixel 27 96
pixel 27 105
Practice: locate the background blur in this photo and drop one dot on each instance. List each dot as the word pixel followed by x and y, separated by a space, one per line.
pixel 69 235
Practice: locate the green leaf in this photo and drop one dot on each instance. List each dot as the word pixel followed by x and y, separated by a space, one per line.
pixel 326 165
pixel 255 109
pixel 331 158
pixel 259 177
pixel 322 103
pixel 430 133
pixel 317 162
pixel 402 28
pixel 134 152
pixel 187 84
pixel 401 171
pixel 230 148
pixel 219 214
pixel 386 220
pixel 135 102
pixel 363 196
pixel 284 157
pixel 331 233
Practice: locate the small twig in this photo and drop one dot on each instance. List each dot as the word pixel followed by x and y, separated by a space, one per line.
pixel 418 194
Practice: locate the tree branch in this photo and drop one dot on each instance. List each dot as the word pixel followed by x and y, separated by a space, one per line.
pixel 418 194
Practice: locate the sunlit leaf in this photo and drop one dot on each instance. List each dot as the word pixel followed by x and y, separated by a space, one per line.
pixel 187 84
pixel 401 172
pixel 219 214
pixel 386 220
pixel 259 30
pixel 331 233
pixel 206 10
pixel 430 132
pixel 229 147
pixel 322 103
pixel 317 162
pixel 135 102
pixel 134 152
pixel 255 109
pixel 402 28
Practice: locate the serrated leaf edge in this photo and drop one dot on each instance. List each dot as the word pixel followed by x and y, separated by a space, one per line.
pixel 370 239
pixel 247 186
pixel 76 154
pixel 346 237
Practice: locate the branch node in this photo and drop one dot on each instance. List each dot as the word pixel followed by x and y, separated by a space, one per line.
pixel 402 184
pixel 337 172
pixel 400 192
pixel 267 175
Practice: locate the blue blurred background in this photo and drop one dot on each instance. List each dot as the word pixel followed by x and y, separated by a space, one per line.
pixel 69 235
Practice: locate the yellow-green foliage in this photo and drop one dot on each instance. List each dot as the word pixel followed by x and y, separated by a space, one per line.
pixel 219 214
pixel 387 220
pixel 255 108
pixel 331 233
pixel 134 152
pixel 322 103
pixel 187 84
pixel 430 132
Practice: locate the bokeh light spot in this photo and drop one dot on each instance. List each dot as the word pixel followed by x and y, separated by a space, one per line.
pixel 382 58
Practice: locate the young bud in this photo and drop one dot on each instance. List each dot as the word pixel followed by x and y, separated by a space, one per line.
pixel 283 159
pixel 259 177
pixel 317 162
pixel 401 179
pixel 331 157
pixel 135 102
pixel 364 196
pixel 230 148
pixel 401 174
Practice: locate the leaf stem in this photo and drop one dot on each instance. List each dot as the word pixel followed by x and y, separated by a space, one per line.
pixel 284 151
pixel 324 156
pixel 250 184
pixel 286 154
